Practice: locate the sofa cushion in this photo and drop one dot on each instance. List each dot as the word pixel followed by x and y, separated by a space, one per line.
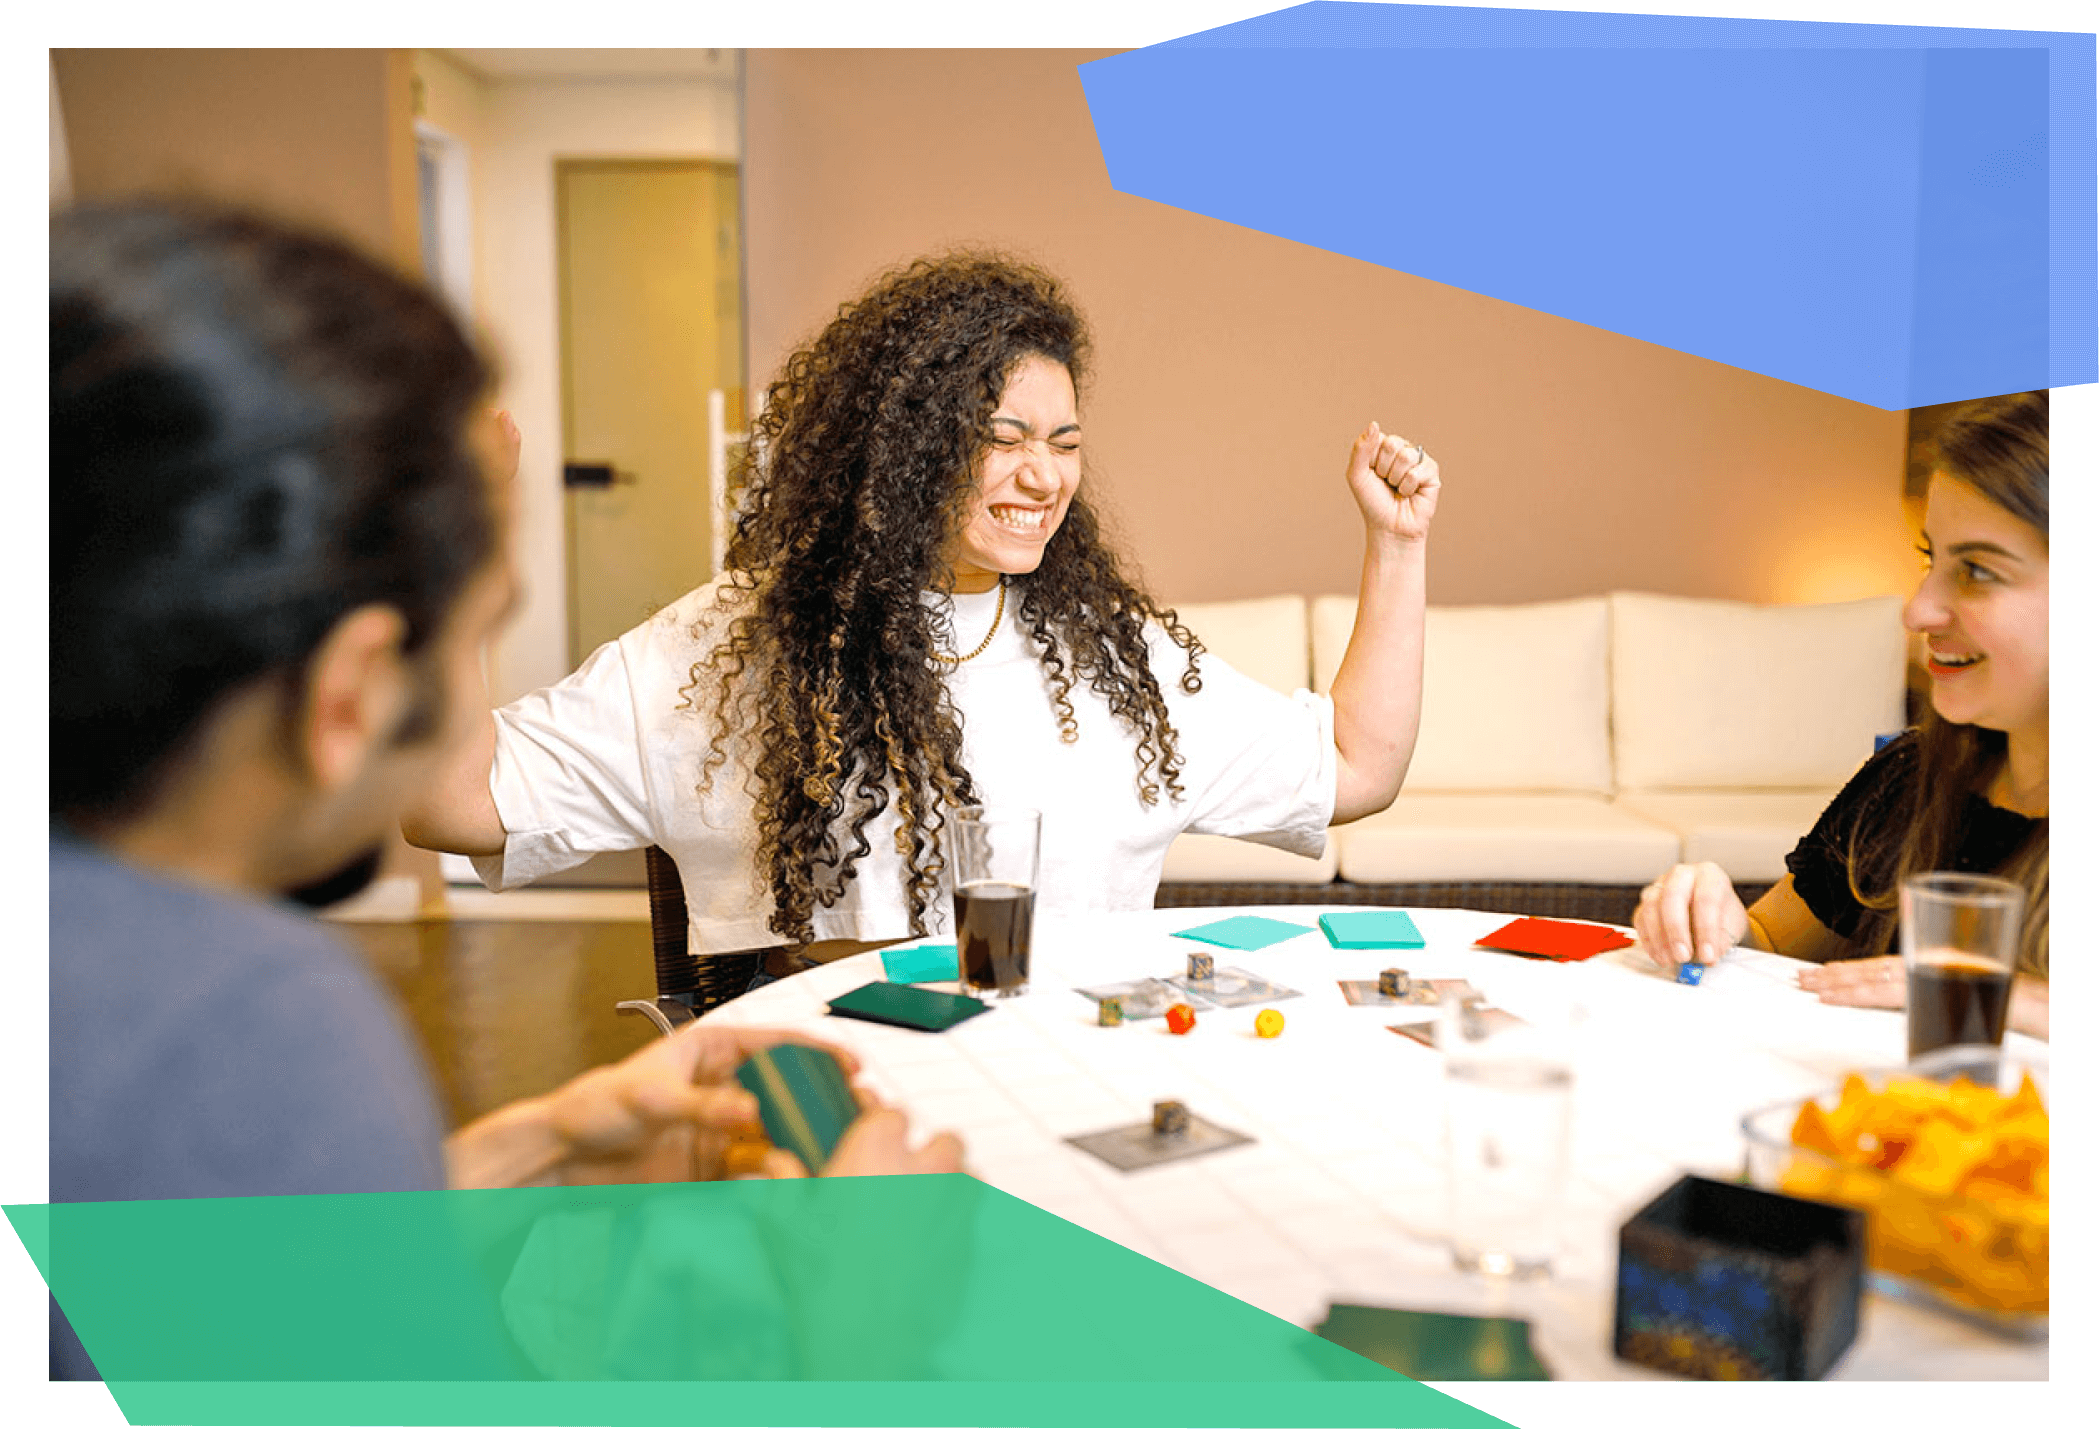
pixel 1545 838
pixel 1720 694
pixel 1514 697
pixel 1749 835
pixel 1212 858
pixel 1266 641
pixel 1263 638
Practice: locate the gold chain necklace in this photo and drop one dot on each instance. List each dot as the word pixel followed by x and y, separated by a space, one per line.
pixel 984 644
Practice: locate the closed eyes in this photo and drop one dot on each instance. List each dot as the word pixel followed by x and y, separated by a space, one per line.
pixel 1061 443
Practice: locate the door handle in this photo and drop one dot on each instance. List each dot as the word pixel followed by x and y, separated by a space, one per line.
pixel 594 475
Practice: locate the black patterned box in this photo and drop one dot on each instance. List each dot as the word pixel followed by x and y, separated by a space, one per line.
pixel 1718 1281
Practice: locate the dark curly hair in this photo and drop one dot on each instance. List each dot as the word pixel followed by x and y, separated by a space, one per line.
pixel 862 470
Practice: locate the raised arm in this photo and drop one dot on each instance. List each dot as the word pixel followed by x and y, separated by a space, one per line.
pixel 1377 691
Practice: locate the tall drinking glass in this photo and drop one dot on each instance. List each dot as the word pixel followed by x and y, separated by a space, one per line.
pixel 1508 1113
pixel 997 853
pixel 1960 937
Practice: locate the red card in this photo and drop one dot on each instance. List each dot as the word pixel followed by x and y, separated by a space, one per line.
pixel 1551 938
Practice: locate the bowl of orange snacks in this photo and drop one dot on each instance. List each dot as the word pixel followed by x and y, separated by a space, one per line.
pixel 1948 1157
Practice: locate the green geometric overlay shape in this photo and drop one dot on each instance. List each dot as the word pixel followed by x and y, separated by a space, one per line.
pixel 878 1300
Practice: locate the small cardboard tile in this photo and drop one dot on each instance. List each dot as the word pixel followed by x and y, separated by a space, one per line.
pixel 1232 987
pixel 1427 992
pixel 1144 997
pixel 1492 1019
pixel 1136 1146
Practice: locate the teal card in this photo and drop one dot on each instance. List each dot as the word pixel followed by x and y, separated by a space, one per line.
pixel 1370 928
pixel 1423 1345
pixel 1245 933
pixel 803 1097
pixel 934 962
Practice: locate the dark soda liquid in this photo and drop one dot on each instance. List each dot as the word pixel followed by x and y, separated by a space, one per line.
pixel 993 923
pixel 1954 1000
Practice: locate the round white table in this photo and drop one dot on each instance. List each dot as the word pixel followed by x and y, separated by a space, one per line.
pixel 1340 1195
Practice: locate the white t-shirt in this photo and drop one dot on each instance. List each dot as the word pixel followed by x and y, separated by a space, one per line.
pixel 611 758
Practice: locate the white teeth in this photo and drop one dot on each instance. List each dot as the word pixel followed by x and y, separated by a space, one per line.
pixel 1020 518
pixel 1941 658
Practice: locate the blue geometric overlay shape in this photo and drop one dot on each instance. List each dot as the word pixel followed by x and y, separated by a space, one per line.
pixel 1899 215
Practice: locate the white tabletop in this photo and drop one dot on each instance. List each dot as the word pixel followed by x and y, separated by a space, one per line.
pixel 1340 1196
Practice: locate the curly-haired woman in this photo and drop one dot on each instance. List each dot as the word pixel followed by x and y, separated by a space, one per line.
pixel 920 612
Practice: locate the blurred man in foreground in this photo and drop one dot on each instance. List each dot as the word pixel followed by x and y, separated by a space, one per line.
pixel 275 557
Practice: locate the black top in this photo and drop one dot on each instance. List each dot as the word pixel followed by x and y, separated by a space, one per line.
pixel 1882 792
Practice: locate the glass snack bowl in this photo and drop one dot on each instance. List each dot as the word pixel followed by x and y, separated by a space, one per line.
pixel 1948 1157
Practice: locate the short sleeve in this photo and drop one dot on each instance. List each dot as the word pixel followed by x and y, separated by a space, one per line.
pixel 1821 863
pixel 1258 765
pixel 569 778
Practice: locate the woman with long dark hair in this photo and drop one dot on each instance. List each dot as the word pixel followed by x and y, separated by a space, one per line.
pixel 1966 791
pixel 920 612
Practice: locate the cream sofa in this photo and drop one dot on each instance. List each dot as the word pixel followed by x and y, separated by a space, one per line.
pixel 1570 750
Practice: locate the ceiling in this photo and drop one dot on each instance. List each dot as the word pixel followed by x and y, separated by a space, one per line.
pixel 598 64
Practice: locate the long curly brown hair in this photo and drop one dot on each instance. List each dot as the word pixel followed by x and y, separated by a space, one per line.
pixel 863 468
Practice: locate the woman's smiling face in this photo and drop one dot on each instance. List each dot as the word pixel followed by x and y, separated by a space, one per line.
pixel 1025 480
pixel 1982 608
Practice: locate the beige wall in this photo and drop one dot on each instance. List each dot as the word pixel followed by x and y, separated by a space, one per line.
pixel 1234 367
pixel 325 136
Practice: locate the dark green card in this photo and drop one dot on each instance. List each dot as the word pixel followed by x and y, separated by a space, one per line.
pixel 1421 1344
pixel 803 1098
pixel 902 1005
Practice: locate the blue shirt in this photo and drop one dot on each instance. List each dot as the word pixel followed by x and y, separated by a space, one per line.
pixel 206 1044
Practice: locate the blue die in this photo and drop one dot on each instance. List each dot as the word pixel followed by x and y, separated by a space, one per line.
pixel 1691 974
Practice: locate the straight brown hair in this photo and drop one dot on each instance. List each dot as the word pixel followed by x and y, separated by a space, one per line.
pixel 1998 446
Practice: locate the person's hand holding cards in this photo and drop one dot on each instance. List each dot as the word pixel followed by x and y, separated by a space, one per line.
pixel 877 1144
pixel 670 1112
pixel 818 1121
